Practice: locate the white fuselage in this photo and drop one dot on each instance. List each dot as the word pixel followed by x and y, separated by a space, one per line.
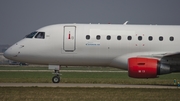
pixel 77 44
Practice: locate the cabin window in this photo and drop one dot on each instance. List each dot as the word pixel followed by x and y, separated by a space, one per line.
pixel 139 38
pixel 98 37
pixel 87 37
pixel 171 38
pixel 118 37
pixel 129 38
pixel 31 35
pixel 160 38
pixel 150 38
pixel 108 37
pixel 40 35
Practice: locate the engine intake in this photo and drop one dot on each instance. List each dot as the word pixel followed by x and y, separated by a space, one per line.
pixel 146 67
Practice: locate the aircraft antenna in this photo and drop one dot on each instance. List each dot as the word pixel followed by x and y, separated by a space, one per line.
pixel 125 22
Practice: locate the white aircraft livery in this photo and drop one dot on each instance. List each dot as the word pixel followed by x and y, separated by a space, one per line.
pixel 146 51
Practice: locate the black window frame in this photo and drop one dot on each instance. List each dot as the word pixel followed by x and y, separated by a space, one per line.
pixel 150 38
pixel 161 38
pixel 108 37
pixel 31 35
pixel 140 38
pixel 129 38
pixel 171 38
pixel 98 37
pixel 37 36
pixel 118 37
pixel 88 37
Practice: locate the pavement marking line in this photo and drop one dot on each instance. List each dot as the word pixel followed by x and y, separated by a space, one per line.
pixel 83 85
pixel 60 70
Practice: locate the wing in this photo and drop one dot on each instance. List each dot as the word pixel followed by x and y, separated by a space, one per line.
pixel 169 58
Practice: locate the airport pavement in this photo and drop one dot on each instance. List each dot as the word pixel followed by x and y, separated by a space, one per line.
pixel 60 71
pixel 83 85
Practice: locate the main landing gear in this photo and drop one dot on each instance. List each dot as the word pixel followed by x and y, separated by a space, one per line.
pixel 56 78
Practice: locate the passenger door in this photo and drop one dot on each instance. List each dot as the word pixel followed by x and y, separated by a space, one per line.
pixel 69 40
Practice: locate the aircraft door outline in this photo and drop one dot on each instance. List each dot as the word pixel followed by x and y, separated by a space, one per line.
pixel 69 38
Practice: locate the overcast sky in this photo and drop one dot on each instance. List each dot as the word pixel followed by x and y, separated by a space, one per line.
pixel 20 17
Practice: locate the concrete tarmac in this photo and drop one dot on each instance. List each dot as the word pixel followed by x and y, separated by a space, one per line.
pixel 60 71
pixel 83 85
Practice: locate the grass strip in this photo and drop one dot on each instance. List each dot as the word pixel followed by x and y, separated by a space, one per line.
pixel 87 94
pixel 85 77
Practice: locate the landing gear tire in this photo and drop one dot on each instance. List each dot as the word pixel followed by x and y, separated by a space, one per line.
pixel 56 79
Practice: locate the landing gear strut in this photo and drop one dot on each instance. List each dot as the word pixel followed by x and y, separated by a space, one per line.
pixel 56 68
pixel 56 78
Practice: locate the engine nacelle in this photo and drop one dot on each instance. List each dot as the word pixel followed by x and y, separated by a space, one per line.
pixel 146 68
